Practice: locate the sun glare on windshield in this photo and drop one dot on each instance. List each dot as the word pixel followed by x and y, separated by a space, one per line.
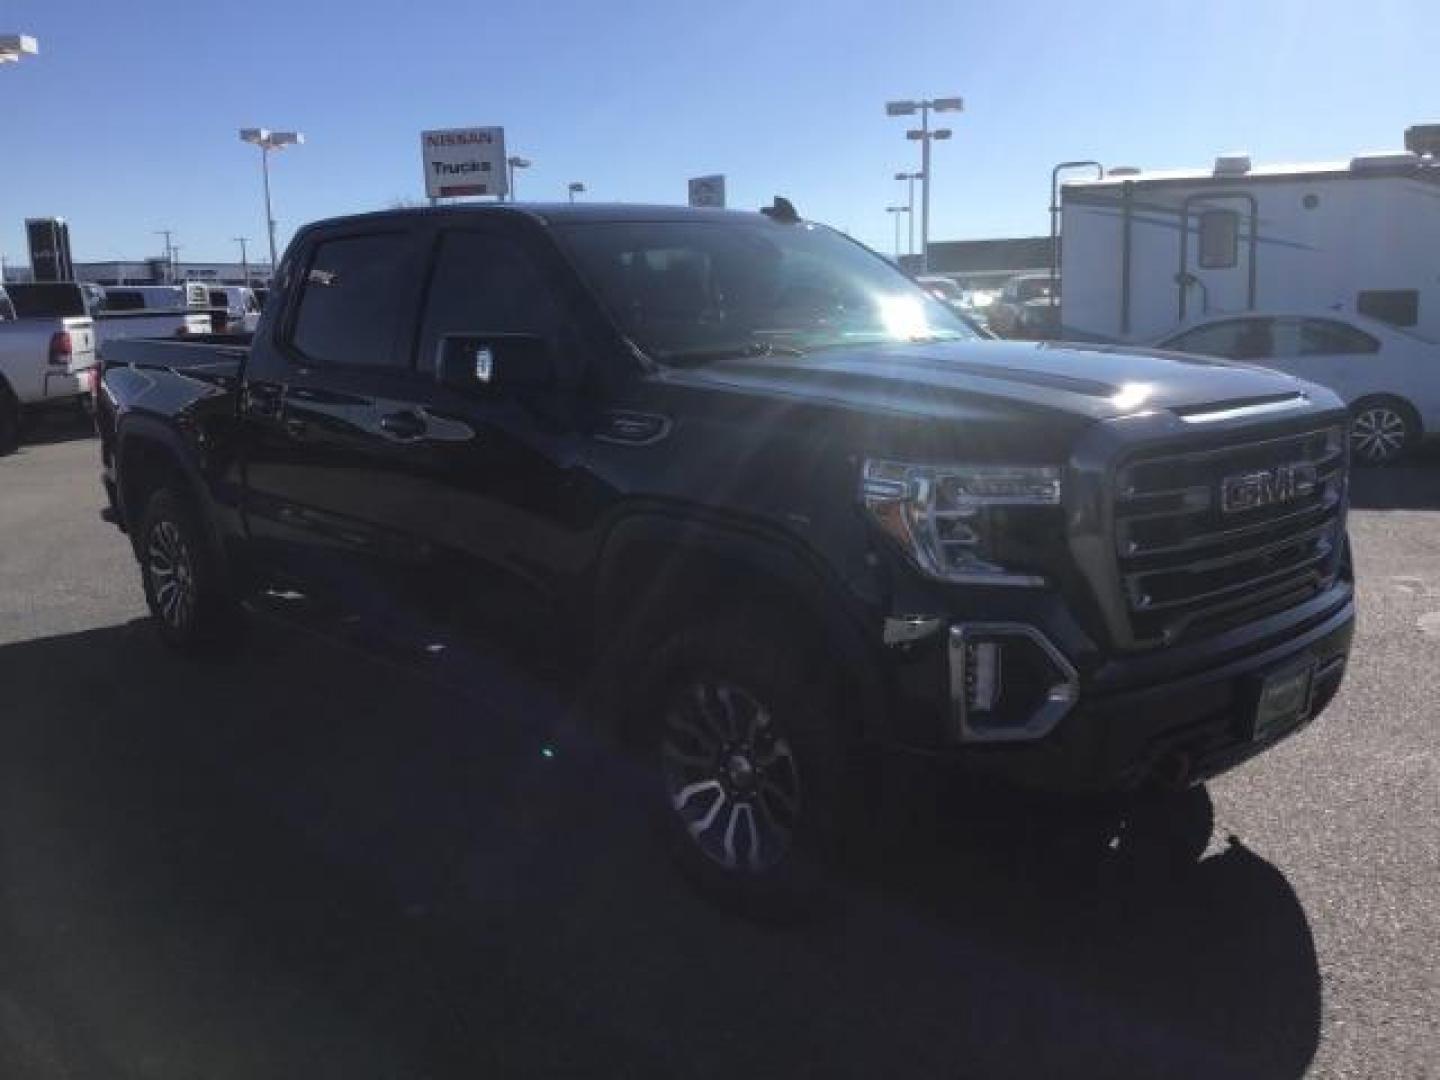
pixel 903 316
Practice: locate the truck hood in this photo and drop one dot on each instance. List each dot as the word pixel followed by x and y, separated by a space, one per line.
pixel 971 380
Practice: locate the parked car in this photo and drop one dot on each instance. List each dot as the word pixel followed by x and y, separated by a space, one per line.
pixel 1389 378
pixel 948 293
pixel 941 287
pixel 44 360
pixel 781 505
pixel 1026 308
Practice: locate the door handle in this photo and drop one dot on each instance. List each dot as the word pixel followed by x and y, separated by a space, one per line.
pixel 403 425
pixel 295 426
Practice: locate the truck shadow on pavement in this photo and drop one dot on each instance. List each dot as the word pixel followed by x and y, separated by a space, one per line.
pixel 311 861
pixel 56 426
pixel 1414 484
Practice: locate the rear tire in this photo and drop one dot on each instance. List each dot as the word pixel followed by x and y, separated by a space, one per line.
pixel 1383 430
pixel 9 420
pixel 192 605
pixel 744 745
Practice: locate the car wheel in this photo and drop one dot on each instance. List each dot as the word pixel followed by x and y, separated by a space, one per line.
pixel 746 752
pixel 185 589
pixel 9 420
pixel 1382 431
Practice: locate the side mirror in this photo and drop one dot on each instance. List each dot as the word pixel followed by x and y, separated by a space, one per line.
pixel 490 363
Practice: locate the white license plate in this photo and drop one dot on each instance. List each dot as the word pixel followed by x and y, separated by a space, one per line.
pixel 1284 698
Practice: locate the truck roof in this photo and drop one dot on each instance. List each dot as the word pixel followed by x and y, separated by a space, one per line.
pixel 557 212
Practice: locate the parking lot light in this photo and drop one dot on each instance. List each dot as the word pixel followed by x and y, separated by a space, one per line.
pixel 897 211
pixel 15 46
pixel 516 163
pixel 267 141
pixel 924 136
pixel 575 188
pixel 910 178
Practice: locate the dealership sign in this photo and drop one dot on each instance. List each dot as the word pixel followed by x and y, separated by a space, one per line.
pixel 708 191
pixel 464 161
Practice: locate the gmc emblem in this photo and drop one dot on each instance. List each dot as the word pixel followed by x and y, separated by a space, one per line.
pixel 1267 487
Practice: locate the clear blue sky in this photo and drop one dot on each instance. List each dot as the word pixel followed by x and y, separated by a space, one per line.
pixel 127 121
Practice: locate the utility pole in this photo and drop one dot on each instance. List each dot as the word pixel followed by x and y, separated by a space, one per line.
pixel 169 258
pixel 244 259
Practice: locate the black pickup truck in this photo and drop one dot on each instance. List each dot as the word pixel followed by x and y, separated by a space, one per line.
pixel 783 505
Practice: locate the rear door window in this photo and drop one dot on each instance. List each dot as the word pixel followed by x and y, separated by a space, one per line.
pixel 1327 337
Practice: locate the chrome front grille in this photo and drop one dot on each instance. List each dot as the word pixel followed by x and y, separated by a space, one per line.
pixel 1189 566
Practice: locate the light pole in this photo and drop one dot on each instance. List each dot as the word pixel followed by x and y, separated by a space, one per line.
pixel 268 140
pixel 515 163
pixel 15 46
pixel 897 211
pixel 925 136
pixel 910 177
pixel 244 259
pixel 575 188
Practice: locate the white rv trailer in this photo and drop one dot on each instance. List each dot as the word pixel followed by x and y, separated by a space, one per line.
pixel 1145 251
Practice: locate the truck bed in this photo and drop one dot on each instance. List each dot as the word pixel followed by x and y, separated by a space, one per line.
pixel 218 353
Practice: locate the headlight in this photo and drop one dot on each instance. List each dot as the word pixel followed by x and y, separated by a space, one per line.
pixel 945 517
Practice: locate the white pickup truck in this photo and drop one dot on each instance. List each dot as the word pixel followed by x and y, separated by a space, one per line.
pixel 45 361
pixel 147 311
pixel 151 311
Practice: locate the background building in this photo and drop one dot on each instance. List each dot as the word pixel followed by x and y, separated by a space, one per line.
pixel 155 272
pixel 989 264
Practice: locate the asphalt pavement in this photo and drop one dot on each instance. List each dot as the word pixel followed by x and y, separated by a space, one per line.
pixel 329 857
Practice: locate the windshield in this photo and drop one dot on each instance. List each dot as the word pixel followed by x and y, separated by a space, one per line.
pixel 697 289
pixel 47 300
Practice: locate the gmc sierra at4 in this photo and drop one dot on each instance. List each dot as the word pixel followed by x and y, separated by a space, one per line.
pixel 787 508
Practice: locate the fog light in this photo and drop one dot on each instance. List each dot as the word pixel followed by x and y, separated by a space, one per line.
pixel 982 675
pixel 1008 683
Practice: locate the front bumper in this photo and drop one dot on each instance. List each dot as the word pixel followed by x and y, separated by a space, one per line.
pixel 1173 716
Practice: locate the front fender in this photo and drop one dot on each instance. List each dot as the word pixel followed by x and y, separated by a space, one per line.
pixel 657 563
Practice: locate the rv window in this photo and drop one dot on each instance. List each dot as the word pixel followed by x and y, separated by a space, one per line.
pixel 1399 307
pixel 1219 239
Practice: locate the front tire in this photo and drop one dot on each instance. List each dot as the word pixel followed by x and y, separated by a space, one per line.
pixel 1382 431
pixel 746 749
pixel 193 608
